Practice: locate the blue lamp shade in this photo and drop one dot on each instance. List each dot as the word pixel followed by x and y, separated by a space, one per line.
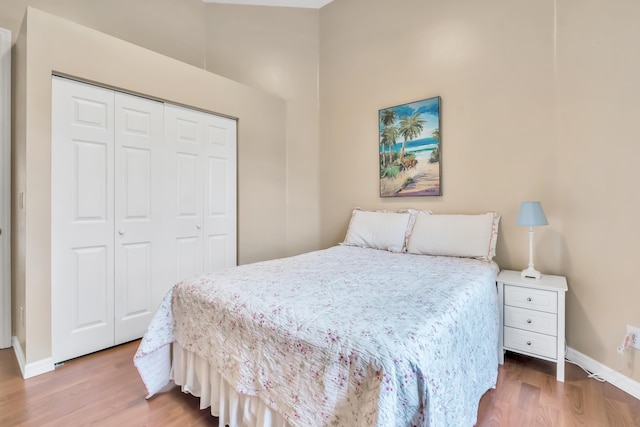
pixel 531 214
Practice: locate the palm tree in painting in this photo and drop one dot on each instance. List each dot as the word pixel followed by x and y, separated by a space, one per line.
pixel 387 118
pixel 389 136
pixel 435 154
pixel 410 127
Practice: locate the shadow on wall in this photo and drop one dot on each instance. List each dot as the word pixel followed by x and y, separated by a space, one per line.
pixel 554 259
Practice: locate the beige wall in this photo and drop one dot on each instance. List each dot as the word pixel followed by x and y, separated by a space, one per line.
pixel 495 79
pixel 173 28
pixel 276 49
pixel 57 45
pixel 531 110
pixel 597 103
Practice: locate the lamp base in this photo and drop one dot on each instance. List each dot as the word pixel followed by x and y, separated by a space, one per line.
pixel 531 273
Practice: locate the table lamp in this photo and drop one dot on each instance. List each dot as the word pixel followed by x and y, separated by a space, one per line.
pixel 531 214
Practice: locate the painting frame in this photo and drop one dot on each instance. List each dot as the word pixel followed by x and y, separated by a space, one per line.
pixel 410 149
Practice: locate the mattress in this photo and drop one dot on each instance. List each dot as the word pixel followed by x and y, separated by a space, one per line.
pixel 345 336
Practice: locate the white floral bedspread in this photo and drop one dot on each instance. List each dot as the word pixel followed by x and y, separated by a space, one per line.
pixel 343 337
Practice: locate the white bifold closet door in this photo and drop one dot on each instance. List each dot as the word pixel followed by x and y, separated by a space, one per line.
pixel 82 219
pixel 140 252
pixel 202 187
pixel 143 195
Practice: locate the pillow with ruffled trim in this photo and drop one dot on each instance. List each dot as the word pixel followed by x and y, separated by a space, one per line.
pixel 378 230
pixel 469 236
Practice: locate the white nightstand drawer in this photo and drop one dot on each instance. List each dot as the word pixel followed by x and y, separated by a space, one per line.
pixel 531 320
pixel 535 299
pixel 530 342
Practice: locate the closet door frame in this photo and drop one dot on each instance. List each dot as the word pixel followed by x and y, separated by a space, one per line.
pixel 5 188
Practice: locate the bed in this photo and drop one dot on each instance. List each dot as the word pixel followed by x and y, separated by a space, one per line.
pixel 346 336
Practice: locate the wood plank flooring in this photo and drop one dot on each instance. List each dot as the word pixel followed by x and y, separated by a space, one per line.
pixel 104 389
pixel 527 394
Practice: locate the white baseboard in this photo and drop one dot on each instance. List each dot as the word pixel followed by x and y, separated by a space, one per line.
pixel 31 369
pixel 611 376
pixel 17 349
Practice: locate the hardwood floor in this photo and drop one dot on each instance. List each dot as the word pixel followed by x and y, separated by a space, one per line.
pixel 101 389
pixel 104 389
pixel 527 394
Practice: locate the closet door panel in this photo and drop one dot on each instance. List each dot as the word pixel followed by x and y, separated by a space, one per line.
pixel 90 180
pixel 90 280
pixel 220 193
pixel 82 219
pixel 216 250
pixel 140 279
pixel 188 198
pixel 184 136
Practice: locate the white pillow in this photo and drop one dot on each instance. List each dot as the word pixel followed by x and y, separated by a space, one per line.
pixel 377 230
pixel 472 236
pixel 412 220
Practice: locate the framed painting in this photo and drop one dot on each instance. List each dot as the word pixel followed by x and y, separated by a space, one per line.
pixel 410 147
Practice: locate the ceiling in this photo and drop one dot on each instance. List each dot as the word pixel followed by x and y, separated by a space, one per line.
pixel 312 4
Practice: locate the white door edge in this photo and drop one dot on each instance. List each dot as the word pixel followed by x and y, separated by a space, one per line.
pixel 5 188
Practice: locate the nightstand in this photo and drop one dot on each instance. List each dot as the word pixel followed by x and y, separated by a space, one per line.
pixel 532 316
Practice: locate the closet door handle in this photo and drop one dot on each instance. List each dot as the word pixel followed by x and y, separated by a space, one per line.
pixel 121 232
pixel 198 226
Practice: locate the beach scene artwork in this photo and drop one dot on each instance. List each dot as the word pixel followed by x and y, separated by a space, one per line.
pixel 410 149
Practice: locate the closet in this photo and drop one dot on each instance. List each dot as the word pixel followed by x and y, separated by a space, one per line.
pixel 143 195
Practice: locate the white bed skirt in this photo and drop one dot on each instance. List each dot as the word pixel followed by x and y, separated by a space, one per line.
pixel 199 378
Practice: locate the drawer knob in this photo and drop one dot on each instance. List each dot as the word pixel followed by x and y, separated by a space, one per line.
pixel 528 320
pixel 529 299
pixel 528 342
